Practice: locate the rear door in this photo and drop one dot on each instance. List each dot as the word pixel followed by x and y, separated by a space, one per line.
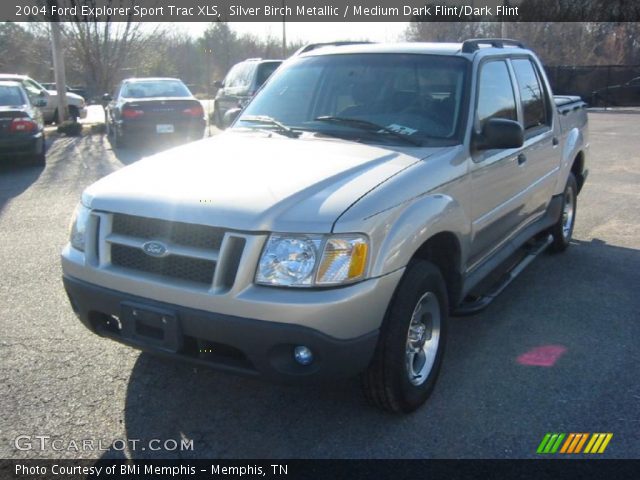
pixel 497 178
pixel 541 151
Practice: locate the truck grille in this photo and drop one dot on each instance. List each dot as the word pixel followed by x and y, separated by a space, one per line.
pixel 188 234
pixel 184 268
pixel 200 254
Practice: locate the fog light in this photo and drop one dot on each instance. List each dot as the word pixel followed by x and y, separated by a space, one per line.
pixel 303 355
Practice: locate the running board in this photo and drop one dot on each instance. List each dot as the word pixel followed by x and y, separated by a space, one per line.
pixel 482 302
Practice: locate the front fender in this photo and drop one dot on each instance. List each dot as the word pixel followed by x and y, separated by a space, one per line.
pixel 410 227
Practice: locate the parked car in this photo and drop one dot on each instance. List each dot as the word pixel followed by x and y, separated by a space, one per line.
pixel 364 194
pixel 624 95
pixel 75 103
pixel 21 126
pixel 81 91
pixel 143 109
pixel 241 83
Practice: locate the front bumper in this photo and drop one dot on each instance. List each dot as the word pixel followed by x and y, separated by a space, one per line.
pixel 239 345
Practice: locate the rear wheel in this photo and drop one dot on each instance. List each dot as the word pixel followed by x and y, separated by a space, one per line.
pixel 408 357
pixel 39 158
pixel 217 118
pixel 114 137
pixel 562 231
pixel 74 114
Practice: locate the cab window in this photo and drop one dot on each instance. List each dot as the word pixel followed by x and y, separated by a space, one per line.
pixel 532 95
pixel 496 98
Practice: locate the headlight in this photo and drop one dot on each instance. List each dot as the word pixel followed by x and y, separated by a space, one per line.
pixel 288 261
pixel 79 227
pixel 309 260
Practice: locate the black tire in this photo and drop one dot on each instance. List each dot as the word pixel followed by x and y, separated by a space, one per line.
pixel 40 158
pixel 386 382
pixel 117 141
pixel 217 116
pixel 561 231
pixel 74 114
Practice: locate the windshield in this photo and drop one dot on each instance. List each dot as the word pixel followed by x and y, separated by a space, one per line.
pixel 155 88
pixel 11 96
pixel 418 96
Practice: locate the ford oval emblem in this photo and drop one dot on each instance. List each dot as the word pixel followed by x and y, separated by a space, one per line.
pixel 154 249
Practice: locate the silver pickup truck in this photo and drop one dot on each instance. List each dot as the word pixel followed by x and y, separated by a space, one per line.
pixel 364 195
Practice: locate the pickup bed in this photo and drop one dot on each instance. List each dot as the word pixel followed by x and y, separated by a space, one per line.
pixel 364 195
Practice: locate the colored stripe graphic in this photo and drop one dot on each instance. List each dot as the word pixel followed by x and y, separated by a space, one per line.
pixel 573 443
pixel 543 443
pixel 581 443
pixel 598 442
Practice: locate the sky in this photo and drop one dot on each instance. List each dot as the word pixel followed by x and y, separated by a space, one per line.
pixel 312 32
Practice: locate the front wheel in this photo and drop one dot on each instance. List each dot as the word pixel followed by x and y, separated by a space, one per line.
pixel 563 229
pixel 409 353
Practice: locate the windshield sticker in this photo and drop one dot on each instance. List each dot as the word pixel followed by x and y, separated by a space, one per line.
pixel 401 129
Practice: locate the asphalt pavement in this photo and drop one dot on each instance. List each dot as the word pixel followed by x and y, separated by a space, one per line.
pixel 558 351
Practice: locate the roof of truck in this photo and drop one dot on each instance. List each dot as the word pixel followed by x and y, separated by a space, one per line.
pixel 469 48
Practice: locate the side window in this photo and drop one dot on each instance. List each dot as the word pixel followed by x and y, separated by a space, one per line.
pixel 531 94
pixel 232 77
pixel 31 88
pixel 495 93
pixel 246 75
pixel 264 72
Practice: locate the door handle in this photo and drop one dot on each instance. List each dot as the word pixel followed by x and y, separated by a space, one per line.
pixel 522 158
pixel 555 141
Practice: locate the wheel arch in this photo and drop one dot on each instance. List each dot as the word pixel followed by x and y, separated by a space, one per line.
pixel 434 229
pixel 443 251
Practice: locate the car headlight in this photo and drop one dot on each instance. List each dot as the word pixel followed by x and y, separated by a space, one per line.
pixel 78 227
pixel 312 260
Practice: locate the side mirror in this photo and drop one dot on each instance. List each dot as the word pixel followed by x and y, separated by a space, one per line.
pixel 42 94
pixel 230 116
pixel 107 98
pixel 218 84
pixel 500 133
pixel 40 102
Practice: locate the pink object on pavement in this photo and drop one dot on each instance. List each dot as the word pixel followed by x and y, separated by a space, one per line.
pixel 545 356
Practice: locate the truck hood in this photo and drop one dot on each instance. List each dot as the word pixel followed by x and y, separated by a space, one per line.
pixel 253 181
pixel 75 98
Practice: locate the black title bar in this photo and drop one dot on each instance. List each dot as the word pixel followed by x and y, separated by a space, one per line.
pixel 320 10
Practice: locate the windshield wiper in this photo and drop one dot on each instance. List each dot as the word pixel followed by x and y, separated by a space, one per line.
pixel 266 120
pixel 368 126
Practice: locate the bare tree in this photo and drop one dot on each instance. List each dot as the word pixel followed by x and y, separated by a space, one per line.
pixel 102 46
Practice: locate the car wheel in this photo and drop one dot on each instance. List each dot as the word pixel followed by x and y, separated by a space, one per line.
pixel 409 353
pixel 217 115
pixel 74 114
pixel 115 138
pixel 40 158
pixel 563 229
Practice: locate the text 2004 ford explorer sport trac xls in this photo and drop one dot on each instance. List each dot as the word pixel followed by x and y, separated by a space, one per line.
pixel 357 201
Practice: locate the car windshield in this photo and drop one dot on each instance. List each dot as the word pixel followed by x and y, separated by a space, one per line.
pixel 155 88
pixel 11 96
pixel 411 95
